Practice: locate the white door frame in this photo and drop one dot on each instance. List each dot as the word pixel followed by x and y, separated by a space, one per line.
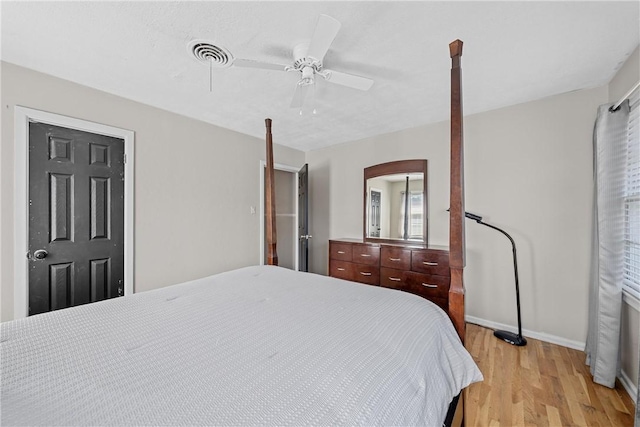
pixel 286 168
pixel 22 117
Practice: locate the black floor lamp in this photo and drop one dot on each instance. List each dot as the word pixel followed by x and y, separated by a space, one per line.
pixel 510 337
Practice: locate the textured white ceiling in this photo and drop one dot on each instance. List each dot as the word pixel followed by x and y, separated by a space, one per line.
pixel 514 52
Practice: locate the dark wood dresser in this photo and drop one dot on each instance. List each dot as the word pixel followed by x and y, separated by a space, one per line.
pixel 418 270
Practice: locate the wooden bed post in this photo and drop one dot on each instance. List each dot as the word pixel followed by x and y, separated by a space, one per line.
pixel 270 202
pixel 456 200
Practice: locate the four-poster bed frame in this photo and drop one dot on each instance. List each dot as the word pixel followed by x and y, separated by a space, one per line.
pixel 456 301
pixel 456 195
pixel 456 218
pixel 270 202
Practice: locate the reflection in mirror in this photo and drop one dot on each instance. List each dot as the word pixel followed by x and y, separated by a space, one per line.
pixel 389 213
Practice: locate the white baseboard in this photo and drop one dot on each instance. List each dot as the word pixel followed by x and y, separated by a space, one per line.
pixel 576 345
pixel 629 385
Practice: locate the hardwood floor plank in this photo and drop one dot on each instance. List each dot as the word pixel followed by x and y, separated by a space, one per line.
pixel 540 384
pixel 617 418
pixel 506 388
pixel 577 416
pixel 517 418
pixel 580 389
pixel 553 416
pixel 618 404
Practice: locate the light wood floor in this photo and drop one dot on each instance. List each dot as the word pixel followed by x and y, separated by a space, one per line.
pixel 540 384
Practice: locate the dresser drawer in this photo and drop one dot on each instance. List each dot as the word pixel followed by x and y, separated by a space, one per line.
pixel 366 254
pixel 392 257
pixel 427 285
pixel 369 274
pixel 430 261
pixel 416 283
pixel 341 269
pixel 433 288
pixel 392 278
pixel 340 251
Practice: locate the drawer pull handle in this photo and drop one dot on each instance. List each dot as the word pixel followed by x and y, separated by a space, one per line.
pixel 394 279
pixel 365 255
pixel 429 263
pixel 341 252
pixel 394 259
pixel 340 269
pixel 427 285
pixel 365 274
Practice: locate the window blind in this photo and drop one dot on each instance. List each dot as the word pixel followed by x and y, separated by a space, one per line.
pixel 631 281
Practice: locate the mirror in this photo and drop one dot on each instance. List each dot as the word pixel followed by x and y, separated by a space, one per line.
pixel 388 214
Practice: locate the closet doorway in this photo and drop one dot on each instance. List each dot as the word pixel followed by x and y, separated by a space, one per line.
pixel 291 216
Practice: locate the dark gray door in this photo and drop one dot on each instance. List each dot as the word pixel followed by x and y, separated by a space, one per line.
pixel 76 217
pixel 303 218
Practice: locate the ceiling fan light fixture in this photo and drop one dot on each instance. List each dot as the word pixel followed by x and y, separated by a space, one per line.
pixel 307 76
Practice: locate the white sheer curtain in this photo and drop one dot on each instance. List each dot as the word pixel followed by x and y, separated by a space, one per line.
pixel 632 257
pixel 605 295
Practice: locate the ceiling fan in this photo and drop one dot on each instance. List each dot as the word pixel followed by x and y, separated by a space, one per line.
pixel 307 60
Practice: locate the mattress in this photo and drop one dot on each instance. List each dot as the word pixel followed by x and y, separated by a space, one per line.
pixel 259 345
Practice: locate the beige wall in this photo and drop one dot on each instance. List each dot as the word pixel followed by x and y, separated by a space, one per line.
pixel 195 182
pixel 624 80
pixel 528 170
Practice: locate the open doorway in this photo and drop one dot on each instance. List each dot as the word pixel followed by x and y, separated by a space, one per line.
pixel 291 217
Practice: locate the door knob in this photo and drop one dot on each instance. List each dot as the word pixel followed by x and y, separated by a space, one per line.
pixel 40 254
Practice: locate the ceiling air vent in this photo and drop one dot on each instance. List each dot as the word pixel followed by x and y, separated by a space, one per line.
pixel 211 54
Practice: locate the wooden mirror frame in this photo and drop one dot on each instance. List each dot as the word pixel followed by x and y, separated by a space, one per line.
pixel 395 168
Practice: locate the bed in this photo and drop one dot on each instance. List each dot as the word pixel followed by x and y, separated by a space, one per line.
pixel 259 345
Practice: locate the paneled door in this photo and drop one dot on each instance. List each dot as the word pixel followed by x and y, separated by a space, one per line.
pixel 303 218
pixel 374 211
pixel 76 217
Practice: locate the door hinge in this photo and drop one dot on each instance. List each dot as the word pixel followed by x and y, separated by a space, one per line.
pixel 124 158
pixel 120 288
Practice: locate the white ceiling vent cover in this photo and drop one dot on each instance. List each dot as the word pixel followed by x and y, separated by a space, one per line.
pixel 209 53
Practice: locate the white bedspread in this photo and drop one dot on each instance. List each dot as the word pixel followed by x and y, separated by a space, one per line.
pixel 254 346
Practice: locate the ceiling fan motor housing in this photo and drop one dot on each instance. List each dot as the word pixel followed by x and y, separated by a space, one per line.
pixel 307 65
pixel 301 60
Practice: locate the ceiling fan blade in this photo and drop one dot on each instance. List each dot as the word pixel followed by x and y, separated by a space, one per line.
pixel 350 80
pixel 250 63
pixel 326 30
pixel 299 95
